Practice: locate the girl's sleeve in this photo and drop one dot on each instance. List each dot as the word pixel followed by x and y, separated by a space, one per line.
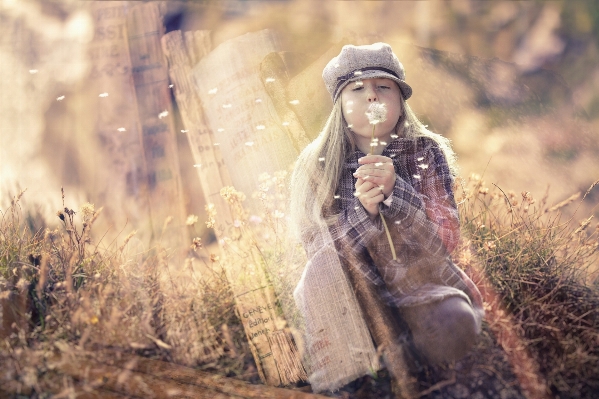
pixel 426 213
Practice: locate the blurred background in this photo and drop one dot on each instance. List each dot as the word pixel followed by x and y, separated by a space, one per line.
pixel 514 85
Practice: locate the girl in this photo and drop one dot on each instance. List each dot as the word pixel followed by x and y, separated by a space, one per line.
pixel 359 175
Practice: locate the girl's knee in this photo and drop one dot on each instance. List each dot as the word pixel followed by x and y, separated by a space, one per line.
pixel 445 330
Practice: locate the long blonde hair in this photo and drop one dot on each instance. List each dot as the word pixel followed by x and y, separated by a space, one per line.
pixel 318 169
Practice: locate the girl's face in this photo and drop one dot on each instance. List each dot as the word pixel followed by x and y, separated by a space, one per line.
pixel 355 99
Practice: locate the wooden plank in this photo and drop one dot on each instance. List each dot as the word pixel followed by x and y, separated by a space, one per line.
pixel 150 78
pixel 254 295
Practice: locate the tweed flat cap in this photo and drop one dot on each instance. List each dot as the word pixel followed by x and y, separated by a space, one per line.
pixel 364 62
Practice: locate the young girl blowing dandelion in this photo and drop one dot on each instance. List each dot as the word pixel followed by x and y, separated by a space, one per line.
pixel 383 170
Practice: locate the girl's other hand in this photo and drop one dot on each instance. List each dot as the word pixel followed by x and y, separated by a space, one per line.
pixel 370 195
pixel 378 170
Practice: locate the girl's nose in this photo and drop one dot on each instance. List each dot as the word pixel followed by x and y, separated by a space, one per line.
pixel 371 94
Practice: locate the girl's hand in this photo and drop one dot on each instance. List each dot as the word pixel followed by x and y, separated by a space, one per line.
pixel 370 195
pixel 378 170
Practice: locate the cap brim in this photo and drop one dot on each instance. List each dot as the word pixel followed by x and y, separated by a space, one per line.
pixel 406 90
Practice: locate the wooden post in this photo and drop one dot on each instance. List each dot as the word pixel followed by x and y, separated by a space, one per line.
pixel 150 78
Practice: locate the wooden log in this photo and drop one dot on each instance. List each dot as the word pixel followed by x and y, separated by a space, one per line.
pixel 150 78
pixel 136 376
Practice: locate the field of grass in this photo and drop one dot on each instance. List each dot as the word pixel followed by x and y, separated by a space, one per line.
pixel 61 292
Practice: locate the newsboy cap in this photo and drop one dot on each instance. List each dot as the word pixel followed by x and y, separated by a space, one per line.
pixel 364 62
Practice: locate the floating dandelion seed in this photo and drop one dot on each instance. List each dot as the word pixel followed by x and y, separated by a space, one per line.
pixel 356 194
pixel 376 113
pixel 212 91
pixel 383 143
pixel 278 214
pixel 378 164
pixel 285 123
pixel 122 129
pixel 60 98
pixel 184 131
pixel 171 86
pixel 227 105
pixel 216 143
pixel 394 136
pixel 349 111
pixel 350 102
pixel 392 155
pixel 197 165
pixel 336 65
pixel 294 102
pixel 416 176
pixel 374 144
pixel 255 219
pixel 220 129
pixel 321 159
pixel 258 100
pixel 33 71
pixel 237 223
pixel 359 83
pixel 423 166
pixel 356 207
pixel 358 73
pixel 336 196
pixel 350 126
pixel 269 80
pixel 397 222
pixel 103 95
pixel 260 127
pixel 249 143
pixel 419 158
pixel 163 114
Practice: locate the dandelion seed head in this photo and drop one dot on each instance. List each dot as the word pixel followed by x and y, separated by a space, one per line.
pixel 376 113
pixel 212 91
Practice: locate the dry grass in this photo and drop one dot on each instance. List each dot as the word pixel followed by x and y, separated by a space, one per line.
pixel 73 295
